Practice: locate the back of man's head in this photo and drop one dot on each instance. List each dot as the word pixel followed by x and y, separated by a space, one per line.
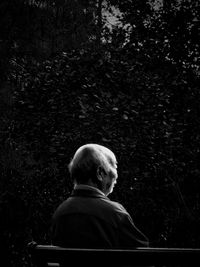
pixel 86 161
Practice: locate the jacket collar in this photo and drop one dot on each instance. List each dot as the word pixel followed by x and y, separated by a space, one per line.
pixel 87 191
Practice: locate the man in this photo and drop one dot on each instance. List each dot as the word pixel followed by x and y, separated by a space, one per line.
pixel 88 218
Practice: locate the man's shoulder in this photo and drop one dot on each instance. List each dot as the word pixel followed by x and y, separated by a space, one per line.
pixel 116 206
pixel 96 206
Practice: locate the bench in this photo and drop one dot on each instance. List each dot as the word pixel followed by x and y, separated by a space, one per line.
pixel 47 255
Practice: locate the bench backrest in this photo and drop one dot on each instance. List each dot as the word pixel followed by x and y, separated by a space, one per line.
pixel 47 255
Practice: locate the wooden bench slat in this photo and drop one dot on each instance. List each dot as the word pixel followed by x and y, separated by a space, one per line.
pixel 43 254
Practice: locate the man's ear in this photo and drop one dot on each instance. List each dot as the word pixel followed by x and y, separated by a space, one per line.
pixel 100 172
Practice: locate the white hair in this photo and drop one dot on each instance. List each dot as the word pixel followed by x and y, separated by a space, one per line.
pixel 87 159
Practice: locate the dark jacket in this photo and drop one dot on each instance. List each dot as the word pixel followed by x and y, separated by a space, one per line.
pixel 88 219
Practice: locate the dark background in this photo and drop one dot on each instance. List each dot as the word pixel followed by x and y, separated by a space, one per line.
pixel 69 76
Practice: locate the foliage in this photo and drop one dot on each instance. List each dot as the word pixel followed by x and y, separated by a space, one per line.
pixel 137 94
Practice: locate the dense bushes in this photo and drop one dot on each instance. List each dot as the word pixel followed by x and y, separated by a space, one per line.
pixel 148 118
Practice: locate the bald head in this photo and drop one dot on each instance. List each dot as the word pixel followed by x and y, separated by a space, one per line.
pixel 89 160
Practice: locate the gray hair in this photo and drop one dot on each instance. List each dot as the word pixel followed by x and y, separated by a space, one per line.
pixel 86 161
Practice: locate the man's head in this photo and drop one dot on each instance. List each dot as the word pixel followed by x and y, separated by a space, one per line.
pixel 94 165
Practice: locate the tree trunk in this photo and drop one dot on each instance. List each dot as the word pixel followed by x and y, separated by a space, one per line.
pixel 99 23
